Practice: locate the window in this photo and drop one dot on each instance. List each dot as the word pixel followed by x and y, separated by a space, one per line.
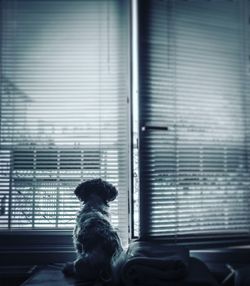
pixel 65 114
pixel 194 123
pixel 64 108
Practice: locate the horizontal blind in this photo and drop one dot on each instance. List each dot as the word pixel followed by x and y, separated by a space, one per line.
pixel 194 118
pixel 64 114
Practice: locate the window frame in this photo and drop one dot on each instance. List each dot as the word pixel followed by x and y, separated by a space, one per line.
pixel 55 237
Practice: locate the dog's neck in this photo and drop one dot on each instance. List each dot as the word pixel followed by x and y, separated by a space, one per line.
pixel 96 203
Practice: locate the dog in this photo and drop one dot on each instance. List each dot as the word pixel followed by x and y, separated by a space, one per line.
pixel 95 240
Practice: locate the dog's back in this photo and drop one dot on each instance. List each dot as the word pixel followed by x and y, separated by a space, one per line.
pixel 93 232
pixel 95 240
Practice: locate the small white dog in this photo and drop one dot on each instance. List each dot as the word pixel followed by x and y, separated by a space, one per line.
pixel 95 240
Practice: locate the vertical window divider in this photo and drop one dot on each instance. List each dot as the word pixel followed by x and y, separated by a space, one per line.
pixel 10 191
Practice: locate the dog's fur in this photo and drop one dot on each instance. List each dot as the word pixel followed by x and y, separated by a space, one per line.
pixel 95 240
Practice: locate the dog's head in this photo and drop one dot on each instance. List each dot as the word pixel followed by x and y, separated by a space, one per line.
pixel 103 189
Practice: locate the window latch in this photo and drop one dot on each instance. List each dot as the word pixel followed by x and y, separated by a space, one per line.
pixel 153 127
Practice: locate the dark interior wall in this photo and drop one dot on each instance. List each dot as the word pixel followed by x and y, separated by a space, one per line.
pixel 29 248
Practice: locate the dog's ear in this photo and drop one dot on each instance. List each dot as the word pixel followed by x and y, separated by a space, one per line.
pixel 82 191
pixel 111 191
pixel 98 187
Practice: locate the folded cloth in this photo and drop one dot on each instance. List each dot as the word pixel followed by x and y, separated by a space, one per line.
pixel 147 263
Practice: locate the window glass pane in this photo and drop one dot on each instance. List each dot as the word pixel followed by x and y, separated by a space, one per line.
pixel 64 112
pixel 194 100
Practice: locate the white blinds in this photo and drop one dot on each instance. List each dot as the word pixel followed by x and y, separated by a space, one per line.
pixel 194 99
pixel 64 112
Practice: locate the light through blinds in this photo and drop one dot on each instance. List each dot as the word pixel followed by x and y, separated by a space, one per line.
pixel 64 113
pixel 194 99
